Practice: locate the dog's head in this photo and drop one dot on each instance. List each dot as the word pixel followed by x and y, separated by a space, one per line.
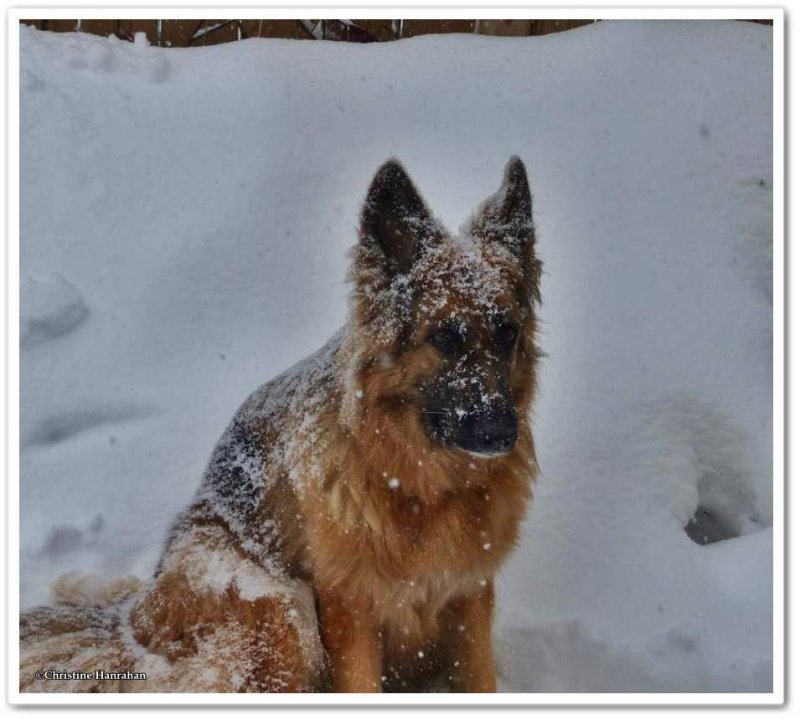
pixel 446 323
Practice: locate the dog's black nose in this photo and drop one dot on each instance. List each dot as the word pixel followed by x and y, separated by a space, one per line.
pixel 488 433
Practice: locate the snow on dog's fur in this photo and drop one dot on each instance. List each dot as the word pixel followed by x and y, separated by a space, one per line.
pixel 353 514
pixel 81 590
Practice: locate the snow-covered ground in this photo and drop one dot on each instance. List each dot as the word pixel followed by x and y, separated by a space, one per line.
pixel 185 218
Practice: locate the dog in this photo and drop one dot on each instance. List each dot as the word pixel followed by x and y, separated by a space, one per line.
pixel 353 515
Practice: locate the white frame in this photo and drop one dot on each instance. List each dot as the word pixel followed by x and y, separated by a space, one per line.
pixel 409 11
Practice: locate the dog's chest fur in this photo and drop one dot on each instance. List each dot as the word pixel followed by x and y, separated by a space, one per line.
pixel 410 558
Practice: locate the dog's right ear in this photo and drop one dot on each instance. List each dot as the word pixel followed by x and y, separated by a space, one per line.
pixel 395 217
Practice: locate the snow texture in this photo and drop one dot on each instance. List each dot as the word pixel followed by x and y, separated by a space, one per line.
pixel 186 216
pixel 51 307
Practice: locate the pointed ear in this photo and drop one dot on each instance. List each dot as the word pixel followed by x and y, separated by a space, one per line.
pixel 395 217
pixel 507 216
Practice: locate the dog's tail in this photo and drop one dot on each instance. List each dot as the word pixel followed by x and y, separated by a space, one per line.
pixel 77 589
pixel 80 633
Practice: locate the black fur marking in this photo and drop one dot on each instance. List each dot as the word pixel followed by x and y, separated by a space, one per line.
pixel 396 217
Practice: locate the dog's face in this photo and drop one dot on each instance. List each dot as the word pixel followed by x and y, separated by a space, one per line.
pixel 453 315
pixel 466 336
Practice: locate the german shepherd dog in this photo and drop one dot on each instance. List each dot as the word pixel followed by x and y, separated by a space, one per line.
pixel 353 515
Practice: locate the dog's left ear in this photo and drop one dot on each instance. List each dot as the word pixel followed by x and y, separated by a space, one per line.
pixel 507 216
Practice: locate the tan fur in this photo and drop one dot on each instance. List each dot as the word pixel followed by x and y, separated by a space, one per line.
pixel 81 590
pixel 182 632
pixel 397 538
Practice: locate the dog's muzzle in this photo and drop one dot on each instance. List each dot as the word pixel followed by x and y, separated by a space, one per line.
pixel 481 430
pixel 487 434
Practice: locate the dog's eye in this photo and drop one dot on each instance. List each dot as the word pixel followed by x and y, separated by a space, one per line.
pixel 447 339
pixel 505 334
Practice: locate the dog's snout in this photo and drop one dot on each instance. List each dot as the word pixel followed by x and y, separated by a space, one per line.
pixel 488 433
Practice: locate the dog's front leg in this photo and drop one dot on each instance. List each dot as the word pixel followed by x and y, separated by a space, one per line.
pixel 470 627
pixel 352 641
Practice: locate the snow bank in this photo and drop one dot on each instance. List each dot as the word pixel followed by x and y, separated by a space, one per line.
pixel 185 218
